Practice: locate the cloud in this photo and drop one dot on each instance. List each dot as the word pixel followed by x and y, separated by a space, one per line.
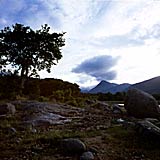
pixel 3 21
pixel 117 41
pixel 152 33
pixel 32 13
pixel 10 11
pixel 99 67
pixel 136 37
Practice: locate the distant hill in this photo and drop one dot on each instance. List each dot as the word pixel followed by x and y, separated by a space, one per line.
pixel 151 86
pixel 120 88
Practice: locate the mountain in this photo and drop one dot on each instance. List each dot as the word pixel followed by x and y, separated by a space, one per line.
pixel 102 87
pixel 120 88
pixel 151 86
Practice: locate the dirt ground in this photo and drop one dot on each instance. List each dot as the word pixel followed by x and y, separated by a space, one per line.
pixel 102 131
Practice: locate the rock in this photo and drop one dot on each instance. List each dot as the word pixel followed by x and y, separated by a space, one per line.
pixel 3 116
pixel 12 130
pixel 93 150
pixel 148 129
pixel 120 120
pixel 48 119
pixel 90 102
pixel 87 156
pixel 101 106
pixel 73 146
pixel 7 108
pixel 43 114
pixel 141 104
pixel 116 109
pixel 18 140
pixel 41 123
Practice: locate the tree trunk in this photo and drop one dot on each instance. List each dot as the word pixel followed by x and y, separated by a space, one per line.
pixel 22 71
pixel 23 79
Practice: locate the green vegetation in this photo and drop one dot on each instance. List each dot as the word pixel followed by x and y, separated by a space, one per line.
pixel 24 144
pixel 127 142
pixel 119 96
pixel 37 88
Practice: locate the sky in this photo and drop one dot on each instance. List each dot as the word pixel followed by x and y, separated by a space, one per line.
pixel 113 40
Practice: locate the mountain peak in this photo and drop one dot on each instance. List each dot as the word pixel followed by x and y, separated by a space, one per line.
pixel 103 82
pixel 102 87
pixel 151 86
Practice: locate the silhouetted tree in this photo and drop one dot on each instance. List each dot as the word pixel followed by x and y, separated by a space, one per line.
pixel 29 51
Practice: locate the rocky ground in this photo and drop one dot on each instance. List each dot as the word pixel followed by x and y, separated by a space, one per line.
pixel 46 131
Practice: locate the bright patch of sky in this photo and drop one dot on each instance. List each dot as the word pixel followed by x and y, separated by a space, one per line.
pixel 113 40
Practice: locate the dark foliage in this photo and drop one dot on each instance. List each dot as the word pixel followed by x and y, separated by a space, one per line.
pixel 119 96
pixel 33 88
pixel 9 86
pixel 29 51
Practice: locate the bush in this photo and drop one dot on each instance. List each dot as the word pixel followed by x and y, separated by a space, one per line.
pixel 43 99
pixel 72 103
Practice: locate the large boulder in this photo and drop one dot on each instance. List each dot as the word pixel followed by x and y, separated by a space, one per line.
pixel 141 104
pixel 73 146
pixel 7 108
pixel 149 129
pixel 87 156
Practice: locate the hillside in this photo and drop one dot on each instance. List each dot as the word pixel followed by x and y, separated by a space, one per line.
pixel 151 86
pixel 120 88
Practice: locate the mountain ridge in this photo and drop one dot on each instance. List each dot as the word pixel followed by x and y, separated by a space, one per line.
pixel 151 86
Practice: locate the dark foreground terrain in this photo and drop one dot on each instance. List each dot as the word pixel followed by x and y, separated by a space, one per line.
pixel 37 129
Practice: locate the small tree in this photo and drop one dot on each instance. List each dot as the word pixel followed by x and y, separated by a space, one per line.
pixel 29 51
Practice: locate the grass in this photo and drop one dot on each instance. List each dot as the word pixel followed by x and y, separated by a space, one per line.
pixel 113 143
pixel 26 145
pixel 127 143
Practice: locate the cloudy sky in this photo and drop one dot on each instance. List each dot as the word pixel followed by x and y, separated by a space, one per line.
pixel 113 40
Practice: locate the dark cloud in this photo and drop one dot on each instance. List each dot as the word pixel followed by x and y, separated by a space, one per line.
pixel 107 75
pixel 98 67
